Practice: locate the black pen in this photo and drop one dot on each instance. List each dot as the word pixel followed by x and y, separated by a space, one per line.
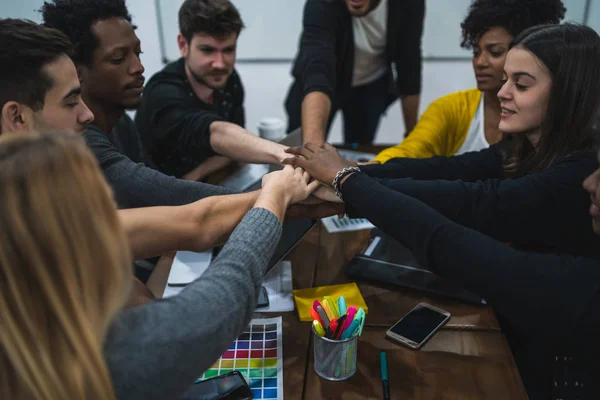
pixel 385 383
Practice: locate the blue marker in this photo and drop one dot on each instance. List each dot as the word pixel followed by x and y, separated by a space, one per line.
pixel 349 332
pixel 385 383
pixel 342 305
pixel 360 314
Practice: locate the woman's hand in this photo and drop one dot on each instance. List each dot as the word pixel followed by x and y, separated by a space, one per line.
pixel 282 188
pixel 291 184
pixel 325 193
pixel 322 163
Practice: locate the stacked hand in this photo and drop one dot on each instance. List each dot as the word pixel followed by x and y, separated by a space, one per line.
pixel 291 184
pixel 322 163
pixel 311 199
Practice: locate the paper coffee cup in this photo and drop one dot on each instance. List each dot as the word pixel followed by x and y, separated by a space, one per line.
pixel 271 128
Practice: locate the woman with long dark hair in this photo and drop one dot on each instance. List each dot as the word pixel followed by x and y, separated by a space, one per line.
pixel 550 302
pixel 509 190
pixel 467 120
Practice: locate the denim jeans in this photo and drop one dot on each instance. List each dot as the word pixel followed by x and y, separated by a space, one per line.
pixel 362 108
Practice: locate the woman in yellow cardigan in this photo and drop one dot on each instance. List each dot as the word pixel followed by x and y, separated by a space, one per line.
pixel 468 120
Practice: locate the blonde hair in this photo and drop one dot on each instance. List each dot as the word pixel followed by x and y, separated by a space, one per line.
pixel 64 269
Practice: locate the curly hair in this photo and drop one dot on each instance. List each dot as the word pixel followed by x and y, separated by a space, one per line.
pixel 513 15
pixel 75 19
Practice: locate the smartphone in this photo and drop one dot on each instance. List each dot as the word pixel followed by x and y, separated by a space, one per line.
pixel 231 386
pixel 263 298
pixel 418 326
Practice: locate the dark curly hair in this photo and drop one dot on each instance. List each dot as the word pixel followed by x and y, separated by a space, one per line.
pixel 217 18
pixel 513 15
pixel 75 19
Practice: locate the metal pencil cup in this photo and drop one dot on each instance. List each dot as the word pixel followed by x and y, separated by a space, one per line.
pixel 335 360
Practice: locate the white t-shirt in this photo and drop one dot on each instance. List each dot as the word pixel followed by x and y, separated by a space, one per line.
pixel 370 38
pixel 475 139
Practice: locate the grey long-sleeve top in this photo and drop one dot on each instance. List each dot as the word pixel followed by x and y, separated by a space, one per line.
pixel 121 158
pixel 156 351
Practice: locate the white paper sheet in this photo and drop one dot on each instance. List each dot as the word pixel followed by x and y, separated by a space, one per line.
pixel 188 266
pixel 334 224
pixel 278 283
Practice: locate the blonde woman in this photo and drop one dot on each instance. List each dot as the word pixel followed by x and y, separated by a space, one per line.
pixel 65 273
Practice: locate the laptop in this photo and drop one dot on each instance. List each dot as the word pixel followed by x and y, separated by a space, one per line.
pixel 387 262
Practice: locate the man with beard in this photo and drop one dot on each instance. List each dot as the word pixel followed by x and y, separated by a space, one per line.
pixel 187 103
pixel 107 57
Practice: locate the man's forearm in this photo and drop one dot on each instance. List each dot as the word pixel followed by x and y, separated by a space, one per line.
pixel 196 227
pixel 410 110
pixel 235 142
pixel 316 108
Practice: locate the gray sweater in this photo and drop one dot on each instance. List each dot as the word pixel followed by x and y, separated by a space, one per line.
pixel 121 157
pixel 157 350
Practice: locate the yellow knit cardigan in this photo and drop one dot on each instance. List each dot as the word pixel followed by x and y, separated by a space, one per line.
pixel 441 130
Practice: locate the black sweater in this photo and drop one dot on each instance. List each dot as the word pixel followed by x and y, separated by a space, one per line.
pixel 545 212
pixel 174 124
pixel 552 302
pixel 325 60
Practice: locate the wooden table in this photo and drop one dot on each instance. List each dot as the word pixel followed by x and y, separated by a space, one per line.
pixel 468 359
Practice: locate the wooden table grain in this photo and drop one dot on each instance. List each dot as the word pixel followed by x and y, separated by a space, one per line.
pixel 468 359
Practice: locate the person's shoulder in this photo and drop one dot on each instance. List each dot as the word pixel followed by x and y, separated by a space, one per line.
pixel 172 73
pixel 235 78
pixel 330 8
pixel 463 102
pixel 570 170
pixel 125 122
pixel 588 158
pixel 234 83
pixel 461 96
pixel 93 133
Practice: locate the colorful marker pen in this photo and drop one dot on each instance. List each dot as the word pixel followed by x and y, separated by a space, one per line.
pixel 315 315
pixel 385 383
pixel 318 328
pixel 333 306
pixel 324 318
pixel 342 305
pixel 329 310
pixel 350 313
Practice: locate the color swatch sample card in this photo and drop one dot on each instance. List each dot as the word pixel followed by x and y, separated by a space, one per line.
pixel 257 355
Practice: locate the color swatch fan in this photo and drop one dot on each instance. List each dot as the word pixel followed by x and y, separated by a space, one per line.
pixel 257 355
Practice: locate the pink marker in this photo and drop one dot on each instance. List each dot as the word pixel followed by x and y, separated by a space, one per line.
pixel 316 303
pixel 350 316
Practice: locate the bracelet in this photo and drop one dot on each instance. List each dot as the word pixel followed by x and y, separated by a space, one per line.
pixel 338 178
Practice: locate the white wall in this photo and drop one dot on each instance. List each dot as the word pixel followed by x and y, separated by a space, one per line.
pixel 266 84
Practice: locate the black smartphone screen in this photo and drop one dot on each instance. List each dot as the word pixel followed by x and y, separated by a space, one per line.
pixel 263 298
pixel 418 323
pixel 231 386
